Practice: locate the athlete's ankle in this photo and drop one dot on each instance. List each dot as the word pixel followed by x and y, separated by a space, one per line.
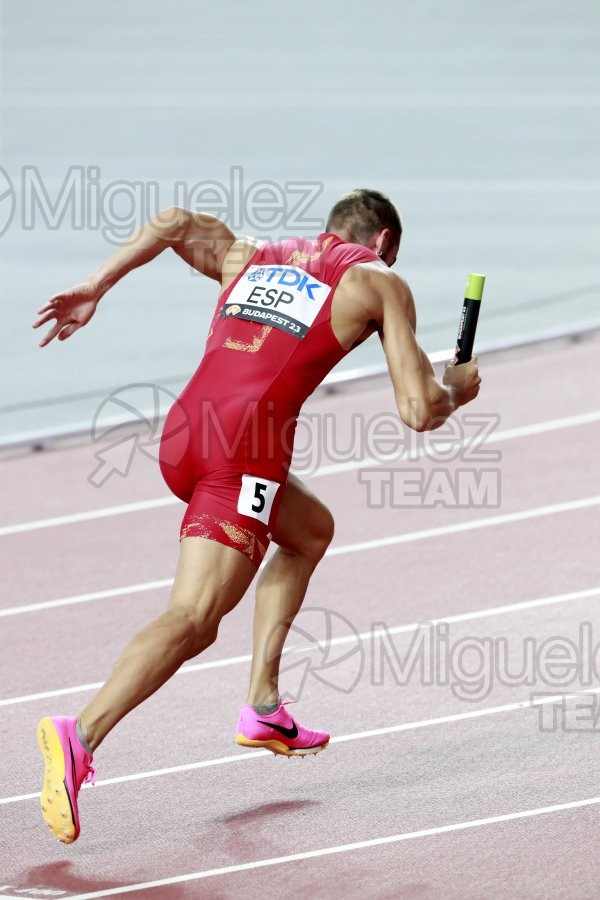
pixel 262 699
pixel 85 737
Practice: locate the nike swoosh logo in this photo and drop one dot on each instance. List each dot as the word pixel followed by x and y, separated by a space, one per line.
pixel 73 775
pixel 286 732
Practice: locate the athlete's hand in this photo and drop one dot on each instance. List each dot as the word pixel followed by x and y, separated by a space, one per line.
pixel 465 380
pixel 72 309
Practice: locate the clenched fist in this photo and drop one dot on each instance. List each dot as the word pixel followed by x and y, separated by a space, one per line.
pixel 465 380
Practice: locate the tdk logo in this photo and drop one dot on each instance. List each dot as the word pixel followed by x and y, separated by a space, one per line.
pixel 256 275
pixel 286 276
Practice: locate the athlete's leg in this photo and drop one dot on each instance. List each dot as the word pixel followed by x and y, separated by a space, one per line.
pixel 303 530
pixel 210 580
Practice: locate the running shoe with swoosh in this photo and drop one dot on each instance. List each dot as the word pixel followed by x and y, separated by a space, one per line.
pixel 67 767
pixel 278 732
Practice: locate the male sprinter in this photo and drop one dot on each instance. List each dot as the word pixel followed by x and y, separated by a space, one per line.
pixel 287 313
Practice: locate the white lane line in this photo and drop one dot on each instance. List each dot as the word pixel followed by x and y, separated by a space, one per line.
pixel 406 537
pixel 472 525
pixel 336 468
pixel 25 897
pixel 440 446
pixel 509 434
pixel 103 513
pixel 86 598
pixel 340 848
pixel 453 619
pixel 58 692
pixel 345 639
pixel 340 739
pixel 153 773
pixel 32 893
pixel 94 686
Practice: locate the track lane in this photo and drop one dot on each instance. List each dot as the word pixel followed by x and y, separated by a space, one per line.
pixel 465 769
pixel 444 773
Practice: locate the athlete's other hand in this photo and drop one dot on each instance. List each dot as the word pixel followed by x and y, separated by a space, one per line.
pixel 465 380
pixel 72 309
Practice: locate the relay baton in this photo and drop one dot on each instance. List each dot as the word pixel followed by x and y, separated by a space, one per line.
pixel 468 318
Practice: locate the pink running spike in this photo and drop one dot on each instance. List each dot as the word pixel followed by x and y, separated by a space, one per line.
pixel 278 732
pixel 67 767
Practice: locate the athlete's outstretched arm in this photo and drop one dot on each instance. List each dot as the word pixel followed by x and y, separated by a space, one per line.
pixel 202 240
pixel 423 403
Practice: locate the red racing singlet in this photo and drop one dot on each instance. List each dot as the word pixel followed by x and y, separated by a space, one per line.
pixel 269 346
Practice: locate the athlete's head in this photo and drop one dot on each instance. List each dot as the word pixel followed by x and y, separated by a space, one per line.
pixel 368 218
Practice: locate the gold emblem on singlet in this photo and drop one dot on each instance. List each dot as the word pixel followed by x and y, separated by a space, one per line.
pixel 297 257
pixel 252 346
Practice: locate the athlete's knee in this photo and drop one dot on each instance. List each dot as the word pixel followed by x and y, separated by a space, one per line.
pixel 318 533
pixel 196 630
pixel 326 528
pixel 203 631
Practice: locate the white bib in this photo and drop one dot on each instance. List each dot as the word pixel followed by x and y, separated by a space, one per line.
pixel 285 297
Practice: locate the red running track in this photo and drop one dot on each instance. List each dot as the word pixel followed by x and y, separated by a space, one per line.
pixel 450 782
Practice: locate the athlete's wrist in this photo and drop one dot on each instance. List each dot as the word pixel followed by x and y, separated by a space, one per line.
pixel 453 397
pixel 98 284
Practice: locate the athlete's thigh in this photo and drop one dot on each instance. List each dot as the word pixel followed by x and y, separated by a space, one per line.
pixel 211 578
pixel 302 519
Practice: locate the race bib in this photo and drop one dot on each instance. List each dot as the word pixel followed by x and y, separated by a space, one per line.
pixel 282 296
pixel 256 497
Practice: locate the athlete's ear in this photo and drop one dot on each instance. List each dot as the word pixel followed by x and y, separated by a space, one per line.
pixel 382 240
